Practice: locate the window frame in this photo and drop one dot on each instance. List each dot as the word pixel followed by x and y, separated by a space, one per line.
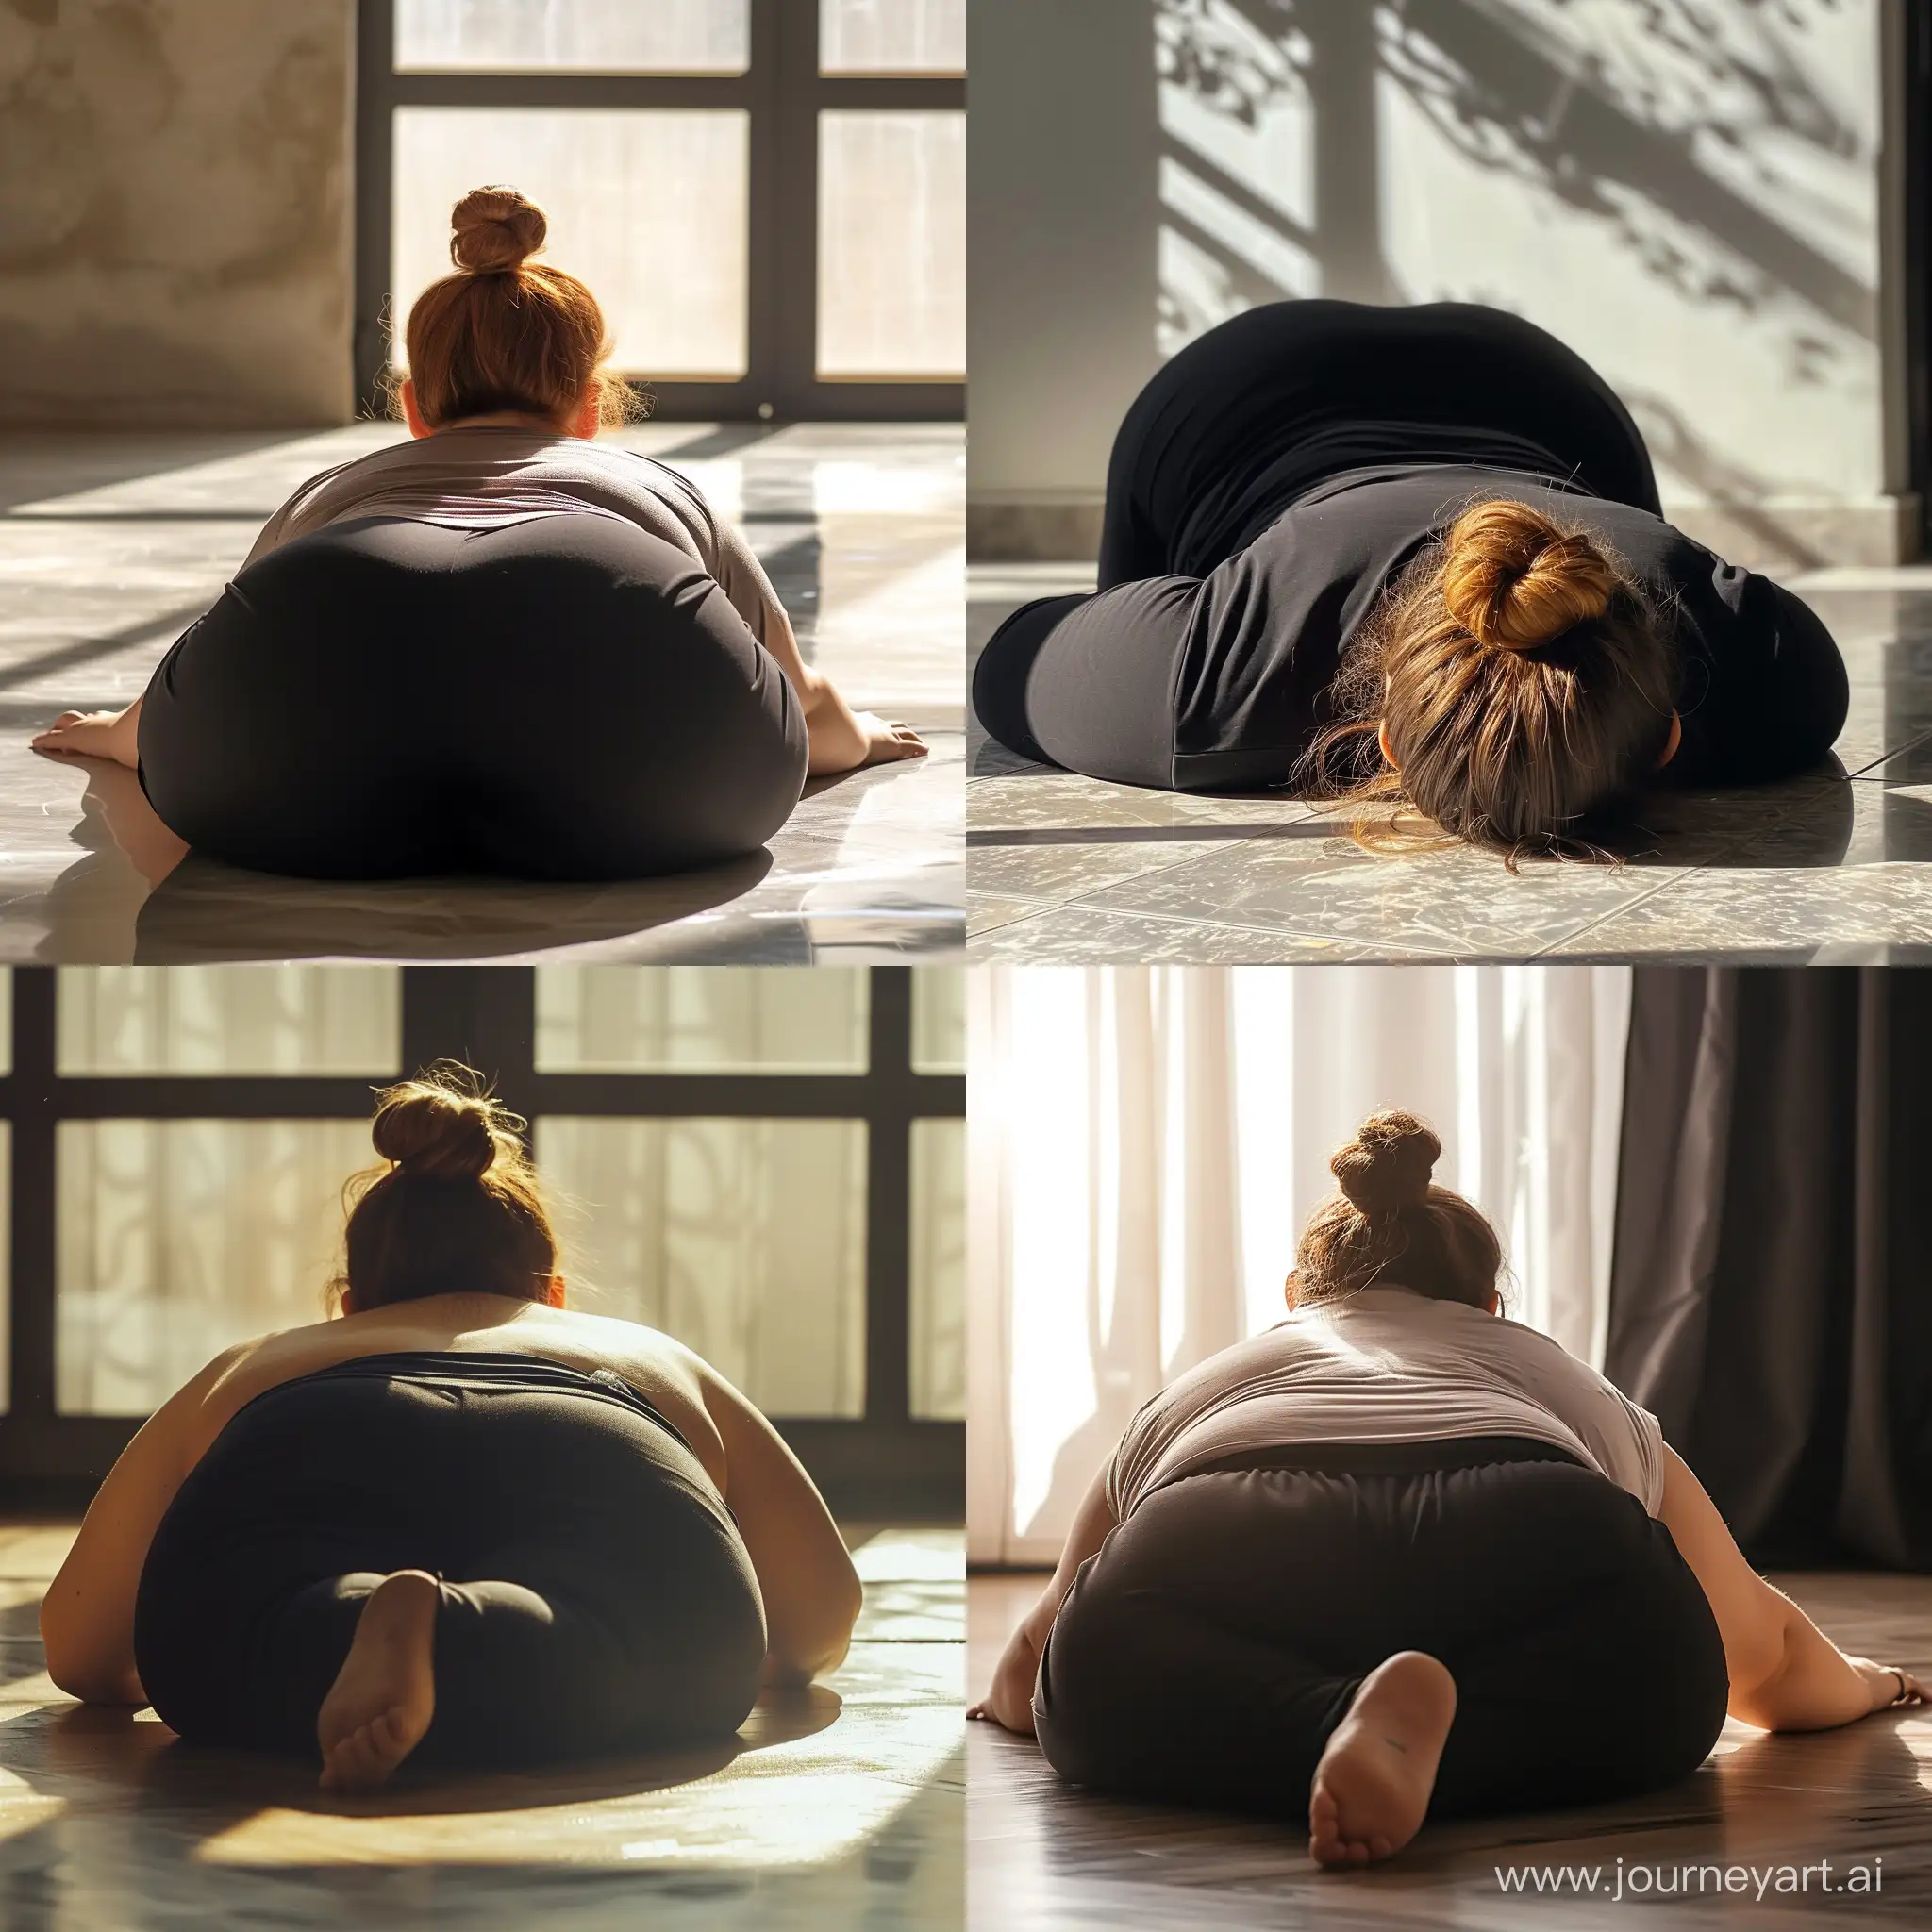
pixel 783 94
pixel 885 1464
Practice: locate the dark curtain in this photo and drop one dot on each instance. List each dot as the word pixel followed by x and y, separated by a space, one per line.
pixel 1771 1293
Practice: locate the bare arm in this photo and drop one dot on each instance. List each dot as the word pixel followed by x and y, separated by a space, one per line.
pixel 811 1591
pixel 1786 1674
pixel 841 739
pixel 87 1617
pixel 1008 1701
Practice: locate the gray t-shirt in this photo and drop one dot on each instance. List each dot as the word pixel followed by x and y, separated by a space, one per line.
pixel 1386 1365
pixel 485 478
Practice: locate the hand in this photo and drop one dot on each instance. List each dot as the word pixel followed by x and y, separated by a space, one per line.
pixel 92 735
pixel 1009 1702
pixel 887 743
pixel 1889 1685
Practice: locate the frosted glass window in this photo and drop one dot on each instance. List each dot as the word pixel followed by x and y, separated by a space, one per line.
pixel 892 36
pixel 701 1018
pixel 228 1020
pixel 744 1239
pixel 936 1370
pixel 938 1020
pixel 173 1239
pixel 891 245
pixel 647 207
pixel 574 36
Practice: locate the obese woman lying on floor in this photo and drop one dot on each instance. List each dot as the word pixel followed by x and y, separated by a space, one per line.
pixel 1399 1557
pixel 459 1520
pixel 1414 558
pixel 498 647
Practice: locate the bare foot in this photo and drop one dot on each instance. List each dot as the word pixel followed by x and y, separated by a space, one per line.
pixel 92 735
pixel 1371 1786
pixel 384 1695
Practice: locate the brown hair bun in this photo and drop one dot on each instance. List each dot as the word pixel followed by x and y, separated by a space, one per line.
pixel 493 229
pixel 1387 1166
pixel 431 1128
pixel 1515 580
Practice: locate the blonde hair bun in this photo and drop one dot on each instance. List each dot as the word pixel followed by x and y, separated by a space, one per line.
pixel 434 1129
pixel 1387 1166
pixel 1515 580
pixel 494 229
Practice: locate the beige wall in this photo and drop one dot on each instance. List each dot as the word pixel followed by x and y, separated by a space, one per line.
pixel 175 211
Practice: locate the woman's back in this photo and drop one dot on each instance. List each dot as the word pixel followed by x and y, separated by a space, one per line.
pixel 670 1377
pixel 484 476
pixel 1385 1365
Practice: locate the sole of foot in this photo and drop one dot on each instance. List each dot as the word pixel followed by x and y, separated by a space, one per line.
pixel 384 1696
pixel 1372 1787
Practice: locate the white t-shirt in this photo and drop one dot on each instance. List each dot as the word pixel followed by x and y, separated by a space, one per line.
pixel 1386 1365
pixel 485 478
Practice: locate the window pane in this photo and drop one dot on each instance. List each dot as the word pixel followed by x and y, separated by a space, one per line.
pixel 938 1020
pixel 600 36
pixel 891 245
pixel 892 36
pixel 646 206
pixel 228 1020
pixel 937 1365
pixel 173 1239
pixel 744 1239
pixel 701 1018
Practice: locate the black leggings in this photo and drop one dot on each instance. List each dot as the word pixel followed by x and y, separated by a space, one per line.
pixel 567 697
pixel 1205 1654
pixel 1227 435
pixel 596 1596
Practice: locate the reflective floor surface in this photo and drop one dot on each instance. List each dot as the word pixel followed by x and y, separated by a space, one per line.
pixel 837 1808
pixel 1041 1854
pixel 111 545
pixel 1833 868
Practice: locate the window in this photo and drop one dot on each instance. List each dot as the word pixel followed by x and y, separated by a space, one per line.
pixel 766 1163
pixel 768 197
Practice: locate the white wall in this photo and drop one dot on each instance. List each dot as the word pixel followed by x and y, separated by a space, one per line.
pixel 175 211
pixel 1693 195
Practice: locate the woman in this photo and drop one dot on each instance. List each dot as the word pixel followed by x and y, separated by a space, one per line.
pixel 1412 556
pixel 458 1518
pixel 499 646
pixel 1398 1557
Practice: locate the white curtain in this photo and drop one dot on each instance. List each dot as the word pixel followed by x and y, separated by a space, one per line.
pixel 1145 1144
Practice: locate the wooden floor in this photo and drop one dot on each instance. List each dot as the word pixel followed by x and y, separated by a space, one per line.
pixel 1041 1854
pixel 839 1807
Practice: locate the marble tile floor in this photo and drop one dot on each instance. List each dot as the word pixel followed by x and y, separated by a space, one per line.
pixel 1041 1854
pixel 841 1807
pixel 1829 868
pixel 111 544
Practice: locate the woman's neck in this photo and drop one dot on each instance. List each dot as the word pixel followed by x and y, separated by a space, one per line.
pixel 507 418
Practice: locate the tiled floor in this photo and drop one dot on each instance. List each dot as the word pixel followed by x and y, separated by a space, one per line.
pixel 111 545
pixel 1834 868
pixel 1041 1854
pixel 841 1808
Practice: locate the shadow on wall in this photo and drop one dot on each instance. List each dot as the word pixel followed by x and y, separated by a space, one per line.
pixel 1681 188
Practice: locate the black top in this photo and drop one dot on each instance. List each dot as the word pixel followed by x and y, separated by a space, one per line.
pixel 1761 688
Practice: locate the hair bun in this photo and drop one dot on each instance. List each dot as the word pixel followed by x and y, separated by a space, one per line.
pixel 1387 1166
pixel 493 229
pixel 1514 579
pixel 432 1128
